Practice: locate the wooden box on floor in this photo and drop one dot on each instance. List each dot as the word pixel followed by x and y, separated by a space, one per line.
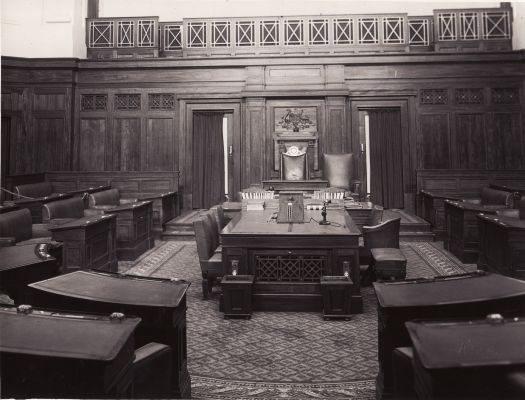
pixel 88 243
pixel 337 296
pixel 60 355
pixel 161 303
pixel 466 295
pixel 237 295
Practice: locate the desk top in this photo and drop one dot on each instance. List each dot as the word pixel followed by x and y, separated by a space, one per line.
pixel 468 343
pixel 23 255
pixel 67 335
pixel 506 222
pixel 264 223
pixel 466 288
pixel 128 206
pixel 465 205
pixel 82 222
pixel 115 288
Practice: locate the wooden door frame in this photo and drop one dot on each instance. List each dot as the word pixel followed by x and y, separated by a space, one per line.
pixel 188 107
pixel 406 104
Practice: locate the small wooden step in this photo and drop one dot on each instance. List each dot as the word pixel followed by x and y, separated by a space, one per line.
pixel 173 234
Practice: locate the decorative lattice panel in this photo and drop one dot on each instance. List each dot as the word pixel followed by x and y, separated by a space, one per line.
pixel 161 101
pixel 505 96
pixel 269 33
pixel 393 30
pixel 245 33
pixel 368 30
pixel 469 96
pixel 172 37
pixel 125 34
pixel 100 34
pixel 343 31
pixel 447 28
pixel 318 29
pixel 220 34
pixel 196 34
pixel 468 26
pixel 146 33
pixel 293 32
pixel 433 96
pixel 418 32
pixel 496 25
pixel 127 102
pixel 290 268
pixel 93 102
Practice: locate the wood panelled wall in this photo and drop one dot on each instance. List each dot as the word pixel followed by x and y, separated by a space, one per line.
pixel 459 111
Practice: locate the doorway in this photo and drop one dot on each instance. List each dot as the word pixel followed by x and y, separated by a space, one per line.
pixel 212 150
pixel 385 157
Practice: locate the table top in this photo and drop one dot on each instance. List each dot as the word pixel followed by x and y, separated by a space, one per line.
pixel 82 222
pixel 264 223
pixel 128 206
pixel 465 288
pixel 468 343
pixel 81 336
pixel 21 255
pixel 465 205
pixel 116 288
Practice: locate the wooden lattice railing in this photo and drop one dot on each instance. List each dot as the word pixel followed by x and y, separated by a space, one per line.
pixel 446 30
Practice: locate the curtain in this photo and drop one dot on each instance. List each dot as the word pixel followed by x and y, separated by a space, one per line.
pixel 208 160
pixel 386 158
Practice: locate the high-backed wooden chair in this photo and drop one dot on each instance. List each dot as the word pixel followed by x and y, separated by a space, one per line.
pixel 210 262
pixel 218 213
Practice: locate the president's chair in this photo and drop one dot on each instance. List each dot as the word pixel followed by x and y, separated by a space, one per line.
pixel 294 165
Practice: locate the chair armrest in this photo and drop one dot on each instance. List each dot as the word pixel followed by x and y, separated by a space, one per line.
pixel 7 241
pixel 101 208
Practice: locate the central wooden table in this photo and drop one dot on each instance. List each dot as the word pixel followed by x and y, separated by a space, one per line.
pixel 288 260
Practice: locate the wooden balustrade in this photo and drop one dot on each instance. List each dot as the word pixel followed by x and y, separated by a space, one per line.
pixel 446 30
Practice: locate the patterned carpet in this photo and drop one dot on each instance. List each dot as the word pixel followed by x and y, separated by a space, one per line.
pixel 280 355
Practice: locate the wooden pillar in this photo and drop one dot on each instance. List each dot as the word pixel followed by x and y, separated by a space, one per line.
pixel 255 148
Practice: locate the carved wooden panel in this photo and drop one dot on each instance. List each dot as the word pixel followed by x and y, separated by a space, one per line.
pixel 127 102
pixel 161 101
pixel 433 96
pixel 12 100
pixel 469 96
pixel 470 141
pixel 159 144
pixel 505 95
pixel 126 144
pixel 435 136
pixel 92 144
pixel 49 101
pixel 93 102
pixel 505 141
pixel 50 148
pixel 255 142
pixel 290 119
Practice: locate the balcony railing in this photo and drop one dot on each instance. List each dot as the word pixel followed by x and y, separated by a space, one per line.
pixel 446 30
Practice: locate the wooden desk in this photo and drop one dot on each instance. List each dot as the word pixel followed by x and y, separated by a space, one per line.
pixel 88 243
pixel 467 359
pixel 160 303
pixel 134 229
pixel 462 229
pixel 165 207
pixel 433 210
pixel 288 260
pixel 470 295
pixel 359 212
pixel 502 245
pixel 24 264
pixel 62 355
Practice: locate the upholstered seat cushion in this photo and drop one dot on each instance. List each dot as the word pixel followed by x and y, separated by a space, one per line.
pixel 338 169
pixel 388 255
pixel 109 197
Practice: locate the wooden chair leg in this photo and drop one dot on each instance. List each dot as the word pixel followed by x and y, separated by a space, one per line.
pixel 205 289
pixel 210 284
pixel 368 275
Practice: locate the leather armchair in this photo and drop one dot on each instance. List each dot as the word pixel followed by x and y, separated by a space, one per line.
pixel 383 235
pixel 64 211
pixel 107 199
pixel 16 227
pixel 338 169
